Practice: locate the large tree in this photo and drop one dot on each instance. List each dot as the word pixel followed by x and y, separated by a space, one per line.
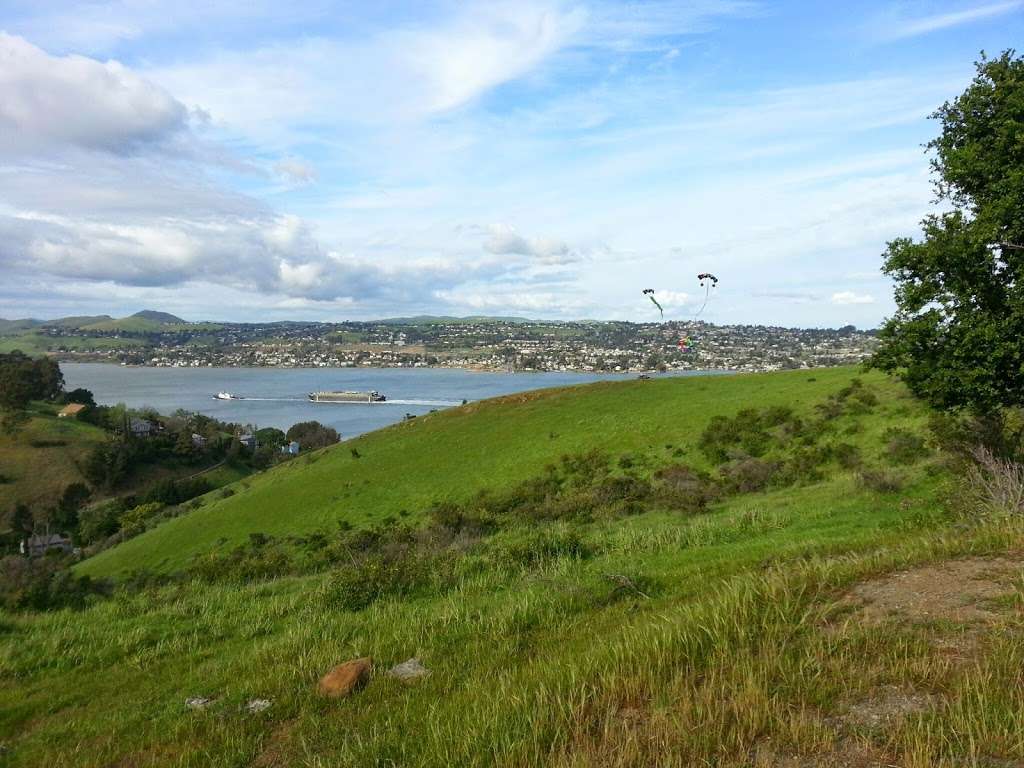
pixel 957 338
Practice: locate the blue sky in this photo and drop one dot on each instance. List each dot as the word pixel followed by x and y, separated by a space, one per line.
pixel 249 161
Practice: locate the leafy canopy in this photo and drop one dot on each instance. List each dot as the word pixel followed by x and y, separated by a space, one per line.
pixel 957 338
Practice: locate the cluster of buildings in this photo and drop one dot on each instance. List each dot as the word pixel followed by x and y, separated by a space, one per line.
pixel 505 345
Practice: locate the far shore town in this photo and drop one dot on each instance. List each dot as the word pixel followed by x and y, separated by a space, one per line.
pixel 485 344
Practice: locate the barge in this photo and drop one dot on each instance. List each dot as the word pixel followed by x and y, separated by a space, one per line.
pixel 347 397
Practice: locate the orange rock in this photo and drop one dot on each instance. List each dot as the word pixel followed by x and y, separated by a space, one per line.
pixel 346 678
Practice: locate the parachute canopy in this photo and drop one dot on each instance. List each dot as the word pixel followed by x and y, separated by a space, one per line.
pixel 707 276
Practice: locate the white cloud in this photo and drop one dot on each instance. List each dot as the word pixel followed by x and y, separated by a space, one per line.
pixel 844 298
pixel 504 240
pixel 398 74
pixel 295 171
pixel 897 28
pixel 547 303
pixel 50 101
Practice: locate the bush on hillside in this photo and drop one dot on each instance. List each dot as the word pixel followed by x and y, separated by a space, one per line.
pixel 541 545
pixel 312 435
pixel 880 480
pixel 682 488
pixel 903 446
pixel 992 486
pixel 380 575
pixel 749 475
pixel 847 455
pixel 44 583
pixel 133 521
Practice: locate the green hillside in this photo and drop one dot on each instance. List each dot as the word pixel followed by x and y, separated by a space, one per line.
pixel 43 457
pixel 146 321
pixel 573 626
pixel 453 454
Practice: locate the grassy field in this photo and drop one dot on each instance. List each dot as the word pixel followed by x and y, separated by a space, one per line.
pixel 32 343
pixel 43 458
pixel 454 453
pixel 752 633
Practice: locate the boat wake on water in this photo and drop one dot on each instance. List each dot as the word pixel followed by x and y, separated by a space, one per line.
pixel 429 403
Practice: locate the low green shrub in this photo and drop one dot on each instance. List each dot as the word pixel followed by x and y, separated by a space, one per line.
pixel 903 446
pixel 749 475
pixel 880 480
pixel 44 584
pixel 847 455
pixel 682 488
pixel 542 545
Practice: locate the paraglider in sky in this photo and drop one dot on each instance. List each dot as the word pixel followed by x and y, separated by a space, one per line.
pixel 708 282
pixel 649 293
pixel 707 276
pixel 685 344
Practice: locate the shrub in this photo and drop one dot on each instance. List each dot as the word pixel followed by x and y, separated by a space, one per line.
pixel 903 446
pixel 830 409
pixel 543 545
pixel 580 469
pixel 455 518
pixel 880 480
pixel 227 492
pixel 802 466
pixel 612 490
pixel 847 455
pixel 133 522
pixel 748 475
pixel 99 521
pixel 993 487
pixel 683 488
pixel 44 583
pixel 404 573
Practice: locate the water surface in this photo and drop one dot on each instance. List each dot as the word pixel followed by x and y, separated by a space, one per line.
pixel 276 397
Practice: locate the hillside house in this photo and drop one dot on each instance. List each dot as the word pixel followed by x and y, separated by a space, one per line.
pixel 141 427
pixel 198 440
pixel 292 448
pixel 71 410
pixel 249 441
pixel 38 545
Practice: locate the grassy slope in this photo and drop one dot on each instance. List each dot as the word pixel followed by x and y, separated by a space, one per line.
pixel 732 650
pixel 454 453
pixel 40 474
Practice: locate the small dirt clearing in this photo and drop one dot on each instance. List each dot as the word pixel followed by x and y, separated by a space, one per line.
pixel 957 590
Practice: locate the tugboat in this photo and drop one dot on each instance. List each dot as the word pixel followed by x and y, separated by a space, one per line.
pixel 225 396
pixel 347 397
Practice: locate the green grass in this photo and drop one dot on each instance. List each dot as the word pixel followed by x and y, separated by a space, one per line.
pixel 32 343
pixel 454 453
pixel 38 474
pixel 731 652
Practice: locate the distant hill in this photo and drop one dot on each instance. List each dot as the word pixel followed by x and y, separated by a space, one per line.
pixel 166 318
pixel 141 322
pixel 77 321
pixel 16 326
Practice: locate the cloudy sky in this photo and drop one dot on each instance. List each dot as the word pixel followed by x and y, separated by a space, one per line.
pixel 244 160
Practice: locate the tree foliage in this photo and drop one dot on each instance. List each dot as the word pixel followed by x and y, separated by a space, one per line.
pixel 24 378
pixel 312 434
pixel 957 338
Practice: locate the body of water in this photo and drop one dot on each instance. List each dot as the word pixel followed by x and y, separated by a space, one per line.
pixel 276 397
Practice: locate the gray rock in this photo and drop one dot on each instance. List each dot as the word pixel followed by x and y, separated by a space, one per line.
pixel 198 702
pixel 409 671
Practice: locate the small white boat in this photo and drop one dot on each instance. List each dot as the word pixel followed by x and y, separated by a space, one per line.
pixel 224 396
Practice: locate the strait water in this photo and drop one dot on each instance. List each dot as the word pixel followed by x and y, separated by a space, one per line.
pixel 276 397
